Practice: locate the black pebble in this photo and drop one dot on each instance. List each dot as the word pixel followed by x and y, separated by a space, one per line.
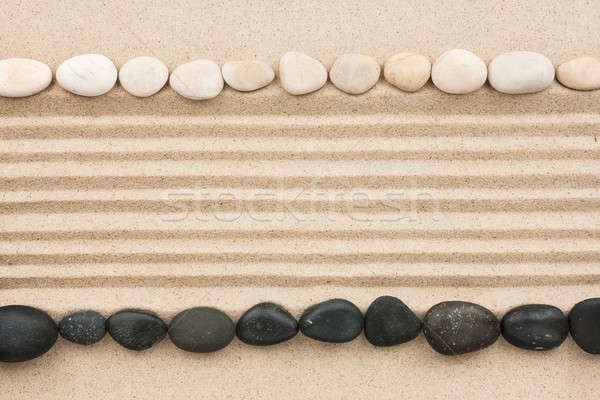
pixel 136 330
pixel 584 321
pixel 458 327
pixel 535 327
pixel 85 327
pixel 335 321
pixel 25 333
pixel 201 330
pixel 266 324
pixel 389 322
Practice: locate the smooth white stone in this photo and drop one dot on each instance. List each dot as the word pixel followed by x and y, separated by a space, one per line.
pixel 197 80
pixel 580 74
pixel 247 75
pixel 87 75
pixel 22 77
pixel 301 74
pixel 520 72
pixel 355 73
pixel 458 72
pixel 143 76
pixel 407 71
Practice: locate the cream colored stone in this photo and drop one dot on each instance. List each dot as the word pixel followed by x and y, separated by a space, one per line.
pixel 520 72
pixel 197 80
pixel 458 72
pixel 301 74
pixel 355 73
pixel 22 77
pixel 247 75
pixel 407 71
pixel 143 76
pixel 87 75
pixel 580 74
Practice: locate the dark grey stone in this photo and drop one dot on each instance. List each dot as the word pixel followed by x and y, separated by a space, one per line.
pixel 25 333
pixel 266 324
pixel 458 327
pixel 389 322
pixel 584 322
pixel 84 327
pixel 535 327
pixel 201 330
pixel 136 330
pixel 335 321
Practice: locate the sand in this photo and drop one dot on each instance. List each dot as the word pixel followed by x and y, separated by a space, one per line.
pixel 164 203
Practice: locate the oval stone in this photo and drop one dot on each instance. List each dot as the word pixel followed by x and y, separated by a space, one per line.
pixel 520 72
pixel 535 327
pixel 301 74
pixel 580 74
pixel 354 73
pixel 25 333
pixel 266 324
pixel 335 321
pixel 87 75
pixel 584 323
pixel 136 330
pixel 247 75
pixel 197 80
pixel 22 77
pixel 407 71
pixel 458 327
pixel 389 322
pixel 143 76
pixel 458 72
pixel 85 327
pixel 201 330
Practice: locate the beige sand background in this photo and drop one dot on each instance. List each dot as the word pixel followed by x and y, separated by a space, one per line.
pixel 165 203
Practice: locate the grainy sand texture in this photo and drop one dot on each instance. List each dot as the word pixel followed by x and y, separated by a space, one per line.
pixel 164 203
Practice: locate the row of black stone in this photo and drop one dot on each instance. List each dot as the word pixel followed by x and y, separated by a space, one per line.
pixel 451 328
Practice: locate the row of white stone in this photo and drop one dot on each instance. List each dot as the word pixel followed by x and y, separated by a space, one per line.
pixel 456 71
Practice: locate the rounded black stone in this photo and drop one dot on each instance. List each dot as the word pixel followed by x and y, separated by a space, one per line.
pixel 25 333
pixel 458 327
pixel 584 322
pixel 85 327
pixel 201 330
pixel 266 324
pixel 136 330
pixel 535 327
pixel 335 321
pixel 389 322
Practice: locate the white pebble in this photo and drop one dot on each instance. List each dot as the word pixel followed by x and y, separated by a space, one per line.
pixel 301 74
pixel 22 77
pixel 407 71
pixel 520 72
pixel 580 74
pixel 197 80
pixel 87 75
pixel 143 76
pixel 355 73
pixel 247 75
pixel 458 72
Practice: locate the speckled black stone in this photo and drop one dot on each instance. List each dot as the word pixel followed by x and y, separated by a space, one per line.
pixel 266 324
pixel 335 321
pixel 25 333
pixel 584 322
pixel 458 327
pixel 84 327
pixel 201 330
pixel 389 322
pixel 535 327
pixel 136 330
